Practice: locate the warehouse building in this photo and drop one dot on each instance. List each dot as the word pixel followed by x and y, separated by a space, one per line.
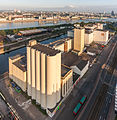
pixel 88 36
pixel 31 32
pixel 66 79
pixel 17 71
pixel 70 33
pixel 100 36
pixel 80 67
pixel 64 45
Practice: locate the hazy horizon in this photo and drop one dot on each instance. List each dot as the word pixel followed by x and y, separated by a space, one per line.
pixel 74 5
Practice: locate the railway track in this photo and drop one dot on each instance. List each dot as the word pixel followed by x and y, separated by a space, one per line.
pixel 94 113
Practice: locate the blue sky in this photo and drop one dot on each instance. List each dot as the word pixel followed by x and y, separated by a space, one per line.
pixel 54 3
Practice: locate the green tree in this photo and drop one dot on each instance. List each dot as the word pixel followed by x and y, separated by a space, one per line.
pixel 2 32
pixel 82 24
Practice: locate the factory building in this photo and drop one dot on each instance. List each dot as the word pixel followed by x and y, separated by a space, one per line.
pixel 64 45
pixel 88 36
pixel 100 26
pixel 81 67
pixel 79 33
pixel 70 33
pixel 94 26
pixel 66 79
pixel 44 75
pixel 100 36
pixel 31 32
pixel 17 71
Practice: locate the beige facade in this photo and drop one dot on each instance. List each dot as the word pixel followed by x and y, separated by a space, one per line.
pixel 44 75
pixel 60 47
pixel 88 38
pixel 79 39
pixel 101 36
pixel 66 80
pixel 64 45
pixel 99 26
pixel 32 42
pixel 94 26
pixel 17 72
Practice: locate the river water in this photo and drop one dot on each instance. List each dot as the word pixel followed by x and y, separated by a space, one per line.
pixel 4 26
pixel 4 65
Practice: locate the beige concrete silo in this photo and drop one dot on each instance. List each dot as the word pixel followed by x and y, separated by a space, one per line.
pixel 58 77
pixel 29 90
pixel 43 81
pixel 51 81
pixel 38 74
pixel 33 56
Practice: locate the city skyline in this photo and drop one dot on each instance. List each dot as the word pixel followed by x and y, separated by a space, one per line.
pixel 54 4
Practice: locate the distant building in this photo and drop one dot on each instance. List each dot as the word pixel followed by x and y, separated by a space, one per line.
pixel 31 32
pixel 64 45
pixel 70 33
pixel 101 36
pixel 79 33
pixel 88 36
pixel 94 26
pixel 112 13
pixel 99 26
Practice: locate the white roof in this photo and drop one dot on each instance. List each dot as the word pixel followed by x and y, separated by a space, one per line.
pixel 32 31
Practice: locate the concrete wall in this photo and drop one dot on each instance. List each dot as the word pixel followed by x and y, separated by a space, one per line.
pixel 44 84
pixel 17 75
pixel 60 47
pixel 101 36
pixel 88 38
pixel 84 70
pixel 79 39
pixel 67 83
pixel 29 67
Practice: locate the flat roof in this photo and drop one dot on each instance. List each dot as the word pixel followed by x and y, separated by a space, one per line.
pixel 45 49
pixel 69 58
pixel 59 42
pixel 21 64
pixel 56 43
pixel 64 70
pixel 33 31
pixel 15 57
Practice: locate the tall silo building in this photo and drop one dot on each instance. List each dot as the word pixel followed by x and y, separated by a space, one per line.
pixel 44 75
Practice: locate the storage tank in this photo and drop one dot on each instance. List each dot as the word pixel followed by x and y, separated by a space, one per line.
pixel 33 56
pixel 43 82
pixel 38 76
pixel 51 81
pixel 29 71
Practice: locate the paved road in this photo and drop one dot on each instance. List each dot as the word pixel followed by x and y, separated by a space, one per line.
pixel 106 78
pixel 86 88
pixel 21 112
